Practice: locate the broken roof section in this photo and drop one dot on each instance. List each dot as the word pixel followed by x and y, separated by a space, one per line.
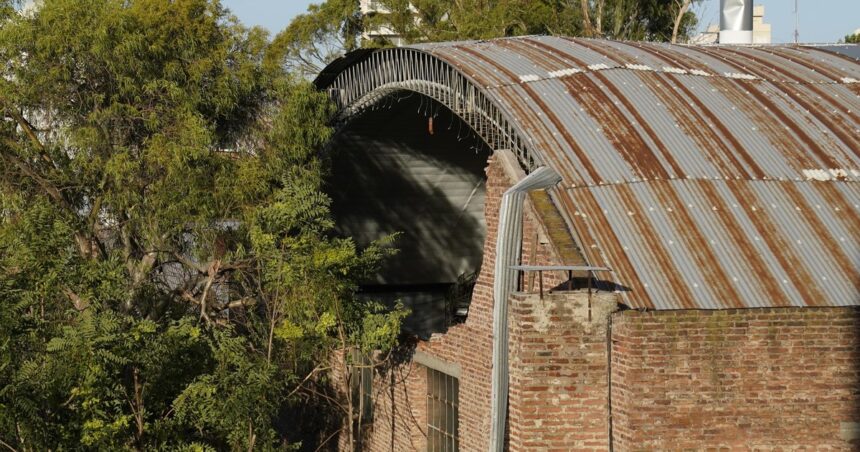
pixel 705 177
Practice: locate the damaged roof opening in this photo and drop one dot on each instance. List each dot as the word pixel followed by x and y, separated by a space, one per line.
pixel 706 177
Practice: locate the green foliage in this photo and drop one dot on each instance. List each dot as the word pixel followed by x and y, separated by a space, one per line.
pixel 444 20
pixel 852 39
pixel 313 39
pixel 334 27
pixel 168 272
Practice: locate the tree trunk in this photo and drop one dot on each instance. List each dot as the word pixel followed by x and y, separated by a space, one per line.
pixel 350 408
pixel 683 6
pixel 138 407
pixel 586 21
pixel 598 20
pixel 252 437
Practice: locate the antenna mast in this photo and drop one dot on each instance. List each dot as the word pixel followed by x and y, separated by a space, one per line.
pixel 796 23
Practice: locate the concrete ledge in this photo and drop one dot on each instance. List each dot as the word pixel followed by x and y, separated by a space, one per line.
pixel 428 360
pixel 849 431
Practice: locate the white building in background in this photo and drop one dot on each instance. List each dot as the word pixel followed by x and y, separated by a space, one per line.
pixel 371 8
pixel 709 36
pixel 761 30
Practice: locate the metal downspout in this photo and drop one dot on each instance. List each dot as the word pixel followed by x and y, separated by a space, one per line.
pixel 508 243
pixel 609 381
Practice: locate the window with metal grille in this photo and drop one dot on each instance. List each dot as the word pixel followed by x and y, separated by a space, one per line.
pixel 442 412
pixel 362 385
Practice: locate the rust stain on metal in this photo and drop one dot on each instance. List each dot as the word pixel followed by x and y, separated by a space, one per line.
pixel 731 146
pixel 757 67
pixel 592 172
pixel 708 140
pixel 820 234
pixel 692 240
pixel 617 128
pixel 613 124
pixel 786 54
pixel 850 217
pixel 610 242
pixel 738 245
pixel 779 247
pixel 761 275
pixel 774 124
pixel 833 105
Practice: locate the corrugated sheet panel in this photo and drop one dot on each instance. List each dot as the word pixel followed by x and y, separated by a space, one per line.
pixel 707 177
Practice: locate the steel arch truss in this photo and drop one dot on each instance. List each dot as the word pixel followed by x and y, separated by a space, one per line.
pixel 366 83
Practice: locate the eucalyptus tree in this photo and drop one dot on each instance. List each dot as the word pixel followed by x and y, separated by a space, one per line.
pixel 332 28
pixel 438 20
pixel 326 31
pixel 168 275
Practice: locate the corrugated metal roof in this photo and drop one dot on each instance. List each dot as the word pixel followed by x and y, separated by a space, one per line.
pixel 706 177
pixel 849 50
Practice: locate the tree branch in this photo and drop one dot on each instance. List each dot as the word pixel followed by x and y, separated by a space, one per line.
pixel 189 263
pixel 12 449
pixel 683 6
pixel 79 303
pixel 28 129
pixel 49 189
pixel 586 22
pixel 213 272
pixel 313 372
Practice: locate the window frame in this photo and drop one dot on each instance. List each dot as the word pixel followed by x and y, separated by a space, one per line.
pixel 443 394
pixel 361 381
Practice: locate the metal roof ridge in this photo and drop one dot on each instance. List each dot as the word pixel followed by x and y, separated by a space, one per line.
pixel 703 179
pixel 532 78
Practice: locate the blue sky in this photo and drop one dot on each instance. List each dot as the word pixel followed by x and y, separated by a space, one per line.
pixel 820 20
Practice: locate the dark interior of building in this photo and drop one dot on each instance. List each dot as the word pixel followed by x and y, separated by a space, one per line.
pixel 413 168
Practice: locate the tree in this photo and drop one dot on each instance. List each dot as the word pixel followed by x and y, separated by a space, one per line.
pixel 314 39
pixel 335 27
pixel 682 7
pixel 442 20
pixel 168 274
pixel 852 39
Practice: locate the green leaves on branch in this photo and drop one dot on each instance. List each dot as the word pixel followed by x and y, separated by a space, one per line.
pixel 335 27
pixel 168 273
pixel 445 20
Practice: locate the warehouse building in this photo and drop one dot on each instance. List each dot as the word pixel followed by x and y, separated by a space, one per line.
pixel 665 241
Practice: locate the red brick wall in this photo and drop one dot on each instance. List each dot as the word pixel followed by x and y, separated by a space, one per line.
pixel 783 378
pixel 469 344
pixel 559 393
pixel 766 378
pixel 400 406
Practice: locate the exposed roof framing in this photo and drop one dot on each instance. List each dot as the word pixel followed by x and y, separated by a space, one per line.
pixel 705 177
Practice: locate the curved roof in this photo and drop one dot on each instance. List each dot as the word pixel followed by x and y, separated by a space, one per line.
pixel 706 177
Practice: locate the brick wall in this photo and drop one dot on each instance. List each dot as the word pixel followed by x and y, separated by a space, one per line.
pixel 400 404
pixel 782 378
pixel 400 392
pixel 559 395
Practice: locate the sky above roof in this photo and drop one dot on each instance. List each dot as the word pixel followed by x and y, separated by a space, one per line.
pixel 820 20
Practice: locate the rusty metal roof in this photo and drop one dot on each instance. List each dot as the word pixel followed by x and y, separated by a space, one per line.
pixel 705 177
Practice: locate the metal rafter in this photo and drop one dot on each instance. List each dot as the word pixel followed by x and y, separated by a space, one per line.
pixel 364 85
